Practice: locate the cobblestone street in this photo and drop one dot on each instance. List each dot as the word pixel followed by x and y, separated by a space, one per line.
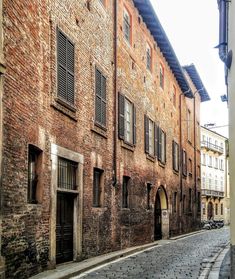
pixel 171 259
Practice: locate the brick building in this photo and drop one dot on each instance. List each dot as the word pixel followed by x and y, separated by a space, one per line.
pixel 100 132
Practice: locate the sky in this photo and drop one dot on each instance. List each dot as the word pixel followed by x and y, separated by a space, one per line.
pixel 192 26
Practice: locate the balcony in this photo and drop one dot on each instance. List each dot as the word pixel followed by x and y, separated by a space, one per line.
pixel 211 146
pixel 212 193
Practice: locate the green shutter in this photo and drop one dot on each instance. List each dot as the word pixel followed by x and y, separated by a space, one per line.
pixel 121 116
pixel 146 129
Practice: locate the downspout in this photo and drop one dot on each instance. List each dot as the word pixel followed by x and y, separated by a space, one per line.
pixel 195 149
pixel 224 55
pixel 114 179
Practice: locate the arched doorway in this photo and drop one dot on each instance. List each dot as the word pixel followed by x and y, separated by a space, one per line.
pixel 161 218
pixel 210 210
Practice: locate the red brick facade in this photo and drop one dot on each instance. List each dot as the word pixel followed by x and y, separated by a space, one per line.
pixel 34 115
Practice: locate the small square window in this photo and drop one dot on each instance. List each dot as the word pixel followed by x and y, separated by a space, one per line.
pixel 34 165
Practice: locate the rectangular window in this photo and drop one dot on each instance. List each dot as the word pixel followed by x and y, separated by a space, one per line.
pixel 127 26
pixel 149 57
pixel 174 96
pixel 216 209
pixel 190 200
pixel 175 152
pixel 125 192
pixel 216 163
pixel 67 174
pixel 203 211
pixel 161 146
pixel 210 161
pixel 221 164
pixel 161 74
pixel 100 99
pixel 65 68
pixel 184 198
pixel 97 187
pixel 127 120
pixel 189 126
pixel 190 166
pixel 175 202
pixel 184 162
pixel 204 159
pixel 149 187
pixel 150 136
pixel 199 201
pixel 222 209
pixel 34 162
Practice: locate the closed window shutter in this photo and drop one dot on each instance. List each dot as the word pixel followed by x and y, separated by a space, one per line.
pixel 185 165
pixel 121 117
pixel 173 155
pixel 134 125
pixel 159 153
pixel 100 98
pixel 103 110
pixel 164 147
pixel 155 140
pixel 65 68
pixel 146 129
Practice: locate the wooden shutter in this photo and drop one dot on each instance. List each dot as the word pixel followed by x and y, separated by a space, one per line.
pixel 134 124
pixel 164 146
pixel 159 153
pixel 121 116
pixel 65 68
pixel 103 104
pixel 173 155
pixel 146 132
pixel 155 140
pixel 98 97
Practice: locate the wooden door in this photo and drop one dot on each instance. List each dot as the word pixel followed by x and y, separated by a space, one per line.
pixel 158 218
pixel 64 228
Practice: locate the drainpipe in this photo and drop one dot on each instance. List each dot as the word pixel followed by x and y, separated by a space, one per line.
pixel 224 55
pixel 195 148
pixel 114 180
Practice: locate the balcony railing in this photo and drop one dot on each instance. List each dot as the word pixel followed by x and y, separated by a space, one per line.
pixel 212 193
pixel 212 146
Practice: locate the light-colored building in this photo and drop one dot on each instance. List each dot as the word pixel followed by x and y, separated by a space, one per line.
pixel 214 173
pixel 226 53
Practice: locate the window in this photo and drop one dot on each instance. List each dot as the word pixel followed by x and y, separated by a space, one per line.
pixel 203 182
pixel 161 146
pixel 125 192
pixel 221 164
pixel 100 99
pixel 190 200
pixel 216 183
pixel 149 187
pixel 190 166
pixel 198 201
pixel 189 126
pixel 210 181
pixel 161 76
pixel 127 120
pixel 65 68
pixel 204 211
pixel 198 172
pixel 175 202
pixel 216 163
pixel 221 209
pixel 204 159
pixel 210 161
pixel 67 173
pixel 174 96
pixel 97 187
pixel 148 57
pixel 150 136
pixel 216 209
pixel 127 26
pixel 184 162
pixel 34 163
pixel 184 198
pixel 175 152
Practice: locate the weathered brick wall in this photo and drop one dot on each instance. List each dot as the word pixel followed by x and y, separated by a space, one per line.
pixel 31 115
pixel 142 87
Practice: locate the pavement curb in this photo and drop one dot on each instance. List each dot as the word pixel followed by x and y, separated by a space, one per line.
pixel 215 261
pixel 68 270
